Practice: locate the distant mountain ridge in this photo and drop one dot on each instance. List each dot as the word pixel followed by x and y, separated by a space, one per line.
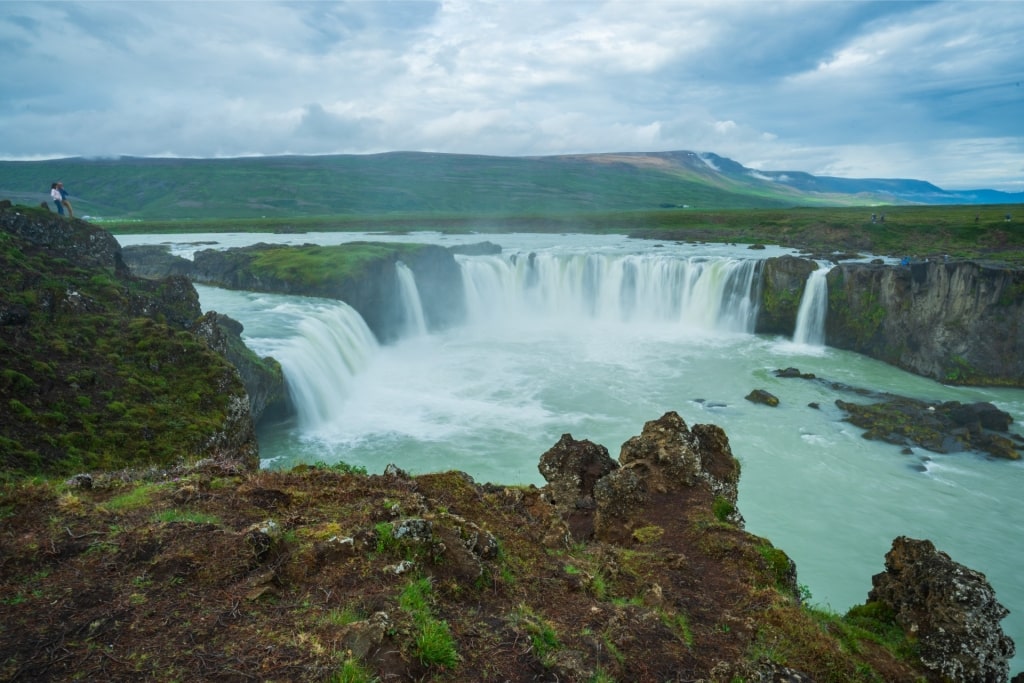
pixel 452 184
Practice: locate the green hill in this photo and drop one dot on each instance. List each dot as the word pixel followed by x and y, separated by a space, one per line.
pixel 435 184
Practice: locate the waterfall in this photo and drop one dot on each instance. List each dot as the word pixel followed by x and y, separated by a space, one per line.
pixel 331 345
pixel 693 293
pixel 412 307
pixel 810 318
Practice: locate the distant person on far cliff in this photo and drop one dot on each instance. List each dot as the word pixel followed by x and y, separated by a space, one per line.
pixel 64 199
pixel 57 198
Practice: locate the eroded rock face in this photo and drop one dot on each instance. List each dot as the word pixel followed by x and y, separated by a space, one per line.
pixel 663 461
pixel 572 468
pixel 263 378
pixel 783 281
pixel 952 609
pixel 957 322
pixel 155 261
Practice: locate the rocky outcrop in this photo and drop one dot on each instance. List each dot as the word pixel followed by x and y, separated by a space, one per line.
pixel 372 289
pixel 945 427
pixel 951 609
pixel 666 462
pixel 960 323
pixel 73 238
pixel 783 281
pixel 262 377
pixel 108 371
pixel 155 261
pixel 571 469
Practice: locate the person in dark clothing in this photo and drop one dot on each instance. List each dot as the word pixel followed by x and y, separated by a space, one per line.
pixel 64 199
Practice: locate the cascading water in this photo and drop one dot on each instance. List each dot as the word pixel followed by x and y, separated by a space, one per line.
pixel 415 322
pixel 810 318
pixel 694 294
pixel 331 346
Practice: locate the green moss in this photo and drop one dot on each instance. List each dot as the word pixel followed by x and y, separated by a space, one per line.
pixel 315 267
pixel 722 509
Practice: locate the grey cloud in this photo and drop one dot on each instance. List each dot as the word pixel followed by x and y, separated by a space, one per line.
pixel 866 88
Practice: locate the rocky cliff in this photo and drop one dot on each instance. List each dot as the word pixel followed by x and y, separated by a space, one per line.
pixel 782 285
pixel 956 322
pixel 100 368
pixel 363 275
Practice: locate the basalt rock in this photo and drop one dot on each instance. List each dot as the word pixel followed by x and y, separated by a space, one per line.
pixel 783 281
pixel 571 469
pixel 957 322
pixel 952 610
pixel 155 261
pixel 946 427
pixel 262 377
pixel 763 397
pixel 666 462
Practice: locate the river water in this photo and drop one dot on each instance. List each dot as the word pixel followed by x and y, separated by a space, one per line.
pixel 594 336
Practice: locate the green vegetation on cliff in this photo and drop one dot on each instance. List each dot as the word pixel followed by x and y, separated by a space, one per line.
pixel 314 266
pixel 99 371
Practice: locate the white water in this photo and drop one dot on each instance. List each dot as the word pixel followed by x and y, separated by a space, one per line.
pixel 560 348
pixel 693 294
pixel 415 321
pixel 810 317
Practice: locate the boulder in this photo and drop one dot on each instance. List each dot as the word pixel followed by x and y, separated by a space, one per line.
pixel 572 468
pixel 763 397
pixel 952 610
pixel 665 465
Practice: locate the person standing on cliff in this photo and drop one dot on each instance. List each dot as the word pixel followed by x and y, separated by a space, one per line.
pixel 64 199
pixel 57 198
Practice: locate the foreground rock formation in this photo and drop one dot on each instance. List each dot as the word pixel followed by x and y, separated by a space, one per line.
pixel 952 610
pixel 629 569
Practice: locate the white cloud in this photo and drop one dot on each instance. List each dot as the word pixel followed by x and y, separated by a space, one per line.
pixel 927 90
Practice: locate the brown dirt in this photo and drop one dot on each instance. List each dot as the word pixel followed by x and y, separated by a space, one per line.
pixel 183 578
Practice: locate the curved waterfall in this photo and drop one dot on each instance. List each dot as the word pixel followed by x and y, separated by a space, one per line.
pixel 694 294
pixel 332 345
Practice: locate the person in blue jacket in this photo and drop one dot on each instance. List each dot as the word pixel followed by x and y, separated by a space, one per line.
pixel 64 199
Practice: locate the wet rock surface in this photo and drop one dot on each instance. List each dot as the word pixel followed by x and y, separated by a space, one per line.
pixel 937 426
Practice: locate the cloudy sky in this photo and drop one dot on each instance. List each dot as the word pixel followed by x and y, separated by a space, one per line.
pixel 929 90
